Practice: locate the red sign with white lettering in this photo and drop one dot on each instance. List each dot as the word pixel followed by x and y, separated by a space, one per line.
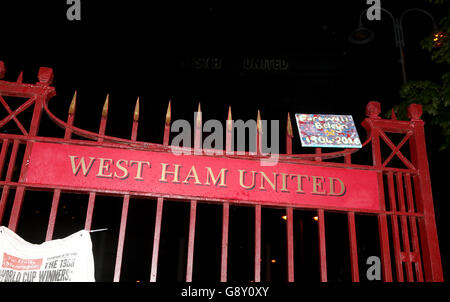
pixel 201 177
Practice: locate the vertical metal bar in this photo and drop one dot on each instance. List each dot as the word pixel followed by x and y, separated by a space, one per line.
pixel 190 255
pixel 290 243
pixel 348 158
pixel 404 226
pixel 159 208
pixel 92 195
pixel 322 246
pixel 318 151
pixel 382 219
pixel 257 258
pixel 394 226
pixel 5 145
pixel 226 208
pixel 353 246
pixel 257 277
pixel 224 254
pixel 53 212
pixel 90 211
pixel 156 237
pixel 384 248
pixel 57 192
pixel 193 211
pixel 121 241
pixel 5 190
pixel 289 211
pixel 432 264
pixel 125 205
pixel 413 227
pixel 18 198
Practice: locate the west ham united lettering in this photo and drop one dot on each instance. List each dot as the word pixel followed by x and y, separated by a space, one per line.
pixel 201 177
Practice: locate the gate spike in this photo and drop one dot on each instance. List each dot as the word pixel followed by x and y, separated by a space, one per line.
pixel 393 116
pixel 73 104
pixel 199 117
pixel 258 122
pixel 289 126
pixel 20 77
pixel 168 114
pixel 229 119
pixel 136 111
pixel 105 107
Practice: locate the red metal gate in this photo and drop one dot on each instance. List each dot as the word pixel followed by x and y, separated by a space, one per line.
pixel 408 242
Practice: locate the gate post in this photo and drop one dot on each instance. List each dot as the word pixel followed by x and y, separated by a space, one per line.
pixel 414 131
pixel 422 185
pixel 42 92
pixel 373 109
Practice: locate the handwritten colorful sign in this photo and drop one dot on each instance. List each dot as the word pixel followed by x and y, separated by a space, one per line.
pixel 201 177
pixel 325 130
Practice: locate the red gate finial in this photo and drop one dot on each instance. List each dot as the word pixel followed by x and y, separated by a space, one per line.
pixel 45 75
pixel 373 109
pixel 414 111
pixel 2 69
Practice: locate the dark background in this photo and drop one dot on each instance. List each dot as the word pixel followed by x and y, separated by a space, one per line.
pixel 133 49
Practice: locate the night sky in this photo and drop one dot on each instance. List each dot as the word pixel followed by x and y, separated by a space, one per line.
pixel 194 54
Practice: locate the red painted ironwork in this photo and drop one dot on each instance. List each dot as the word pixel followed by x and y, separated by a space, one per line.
pixel 407 204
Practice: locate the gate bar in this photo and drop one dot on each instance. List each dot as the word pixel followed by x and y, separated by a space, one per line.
pixel 159 207
pixel 225 224
pixel 125 205
pixel 382 218
pixel 257 260
pixel 156 236
pixel 413 226
pixel 191 241
pixel 226 206
pixel 5 190
pixel 121 240
pixel 101 131
pixel 57 192
pixel 322 246
pixel 404 226
pixel 394 227
pixel 289 210
pixel 422 185
pixel 193 211
pixel 353 246
pixel 257 276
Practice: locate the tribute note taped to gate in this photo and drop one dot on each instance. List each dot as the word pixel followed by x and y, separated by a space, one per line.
pixel 202 177
pixel 62 260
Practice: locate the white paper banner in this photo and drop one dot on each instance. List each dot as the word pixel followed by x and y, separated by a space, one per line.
pixel 62 260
